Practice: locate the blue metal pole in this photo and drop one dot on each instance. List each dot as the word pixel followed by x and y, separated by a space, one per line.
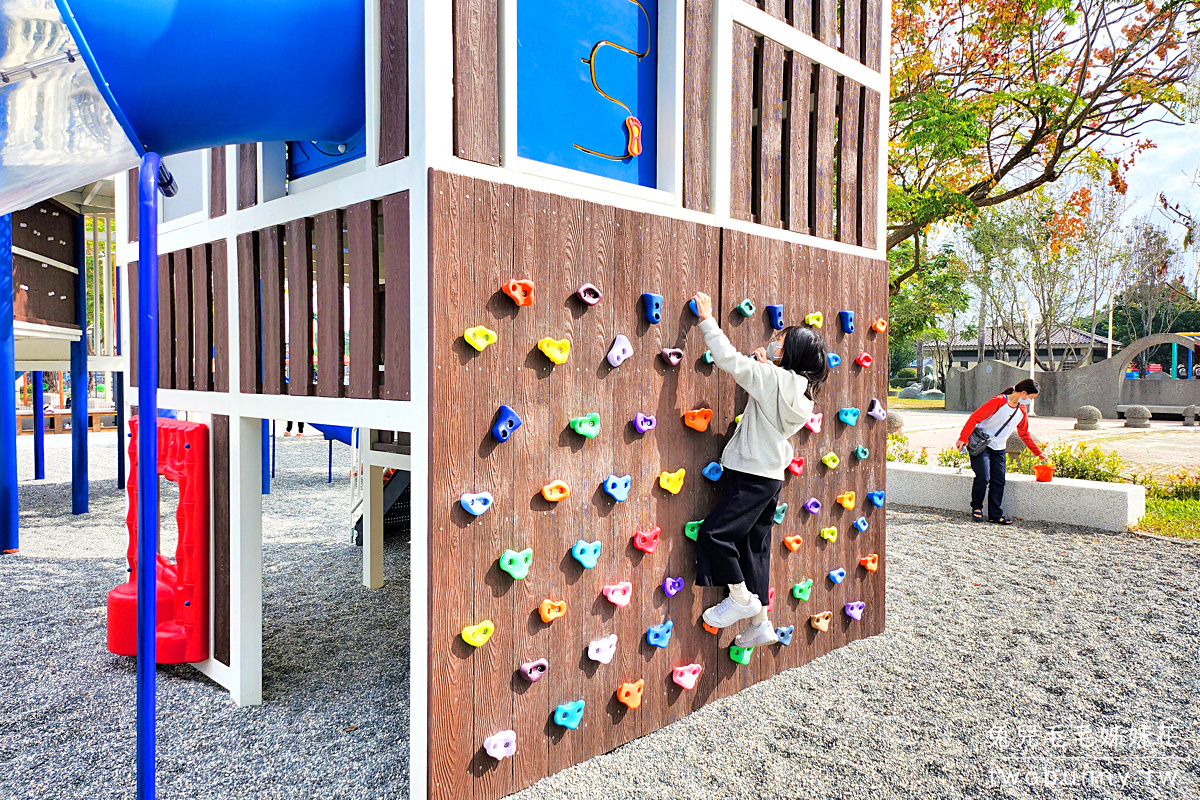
pixel 9 515
pixel 1174 360
pixel 331 460
pixel 147 475
pixel 266 456
pixel 119 389
pixel 1189 362
pixel 79 379
pixel 39 428
pixel 273 432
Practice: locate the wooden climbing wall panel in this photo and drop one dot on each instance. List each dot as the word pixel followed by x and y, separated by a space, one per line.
pixel 481 235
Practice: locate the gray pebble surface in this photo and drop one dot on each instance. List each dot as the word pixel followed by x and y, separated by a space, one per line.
pixel 1024 661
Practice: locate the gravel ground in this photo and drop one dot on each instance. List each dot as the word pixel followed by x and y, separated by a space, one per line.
pixel 1013 658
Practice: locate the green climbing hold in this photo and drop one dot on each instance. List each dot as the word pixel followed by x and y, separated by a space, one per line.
pixel 803 591
pixel 587 426
pixel 780 513
pixel 517 564
pixel 708 359
pixel 692 529
pixel 861 453
pixel 740 654
pixel 746 307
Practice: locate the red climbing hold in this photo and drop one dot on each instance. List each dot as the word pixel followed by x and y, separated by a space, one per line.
pixel 521 291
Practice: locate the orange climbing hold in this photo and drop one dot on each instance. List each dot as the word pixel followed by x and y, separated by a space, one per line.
pixel 870 562
pixel 698 418
pixel 793 542
pixel 552 609
pixel 880 325
pixel 555 491
pixel 710 628
pixel 846 500
pixel 521 291
pixel 631 693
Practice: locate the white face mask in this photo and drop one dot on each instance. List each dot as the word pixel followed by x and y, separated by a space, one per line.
pixel 1026 401
pixel 774 352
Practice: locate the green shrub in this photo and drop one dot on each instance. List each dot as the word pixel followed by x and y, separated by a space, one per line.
pixel 951 457
pixel 898 449
pixel 1081 462
pixel 907 374
pixel 1170 517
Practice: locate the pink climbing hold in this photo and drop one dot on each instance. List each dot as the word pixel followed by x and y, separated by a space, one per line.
pixel 672 355
pixel 619 594
pixel 814 422
pixel 686 676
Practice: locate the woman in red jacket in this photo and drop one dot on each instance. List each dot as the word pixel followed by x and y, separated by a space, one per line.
pixel 997 418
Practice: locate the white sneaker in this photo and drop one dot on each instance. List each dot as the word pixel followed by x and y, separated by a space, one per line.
pixel 729 611
pixel 757 634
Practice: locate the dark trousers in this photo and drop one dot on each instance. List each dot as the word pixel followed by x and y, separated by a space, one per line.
pixel 734 543
pixel 989 477
pixel 298 430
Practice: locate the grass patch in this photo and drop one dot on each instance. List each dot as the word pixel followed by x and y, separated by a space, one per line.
pixel 912 402
pixel 1178 518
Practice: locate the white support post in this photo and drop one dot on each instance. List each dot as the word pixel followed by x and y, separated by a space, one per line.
pixel 721 105
pixel 372 545
pixel 245 560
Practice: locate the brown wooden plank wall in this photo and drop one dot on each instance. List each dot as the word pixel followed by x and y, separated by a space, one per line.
pixel 476 80
pixel 43 293
pixel 697 90
pixel 217 199
pixel 221 526
pixel 393 81
pixel 482 234
pixel 842 24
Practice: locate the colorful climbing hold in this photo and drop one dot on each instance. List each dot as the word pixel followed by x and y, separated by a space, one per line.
pixel 876 498
pixel 506 422
pixel 814 422
pixel 707 358
pixel 551 610
pixel 785 634
pixel 589 294
pixel 780 513
pixel 855 610
pixel 672 586
pixel 709 628
pixel 793 542
pixel 877 410
pixel 692 529
pixel 812 505
pixel 660 635
pixel 821 621
pixel 831 460
pixel 478 635
pixel 829 534
pixel 746 307
pixel 517 564
pixel 652 307
pixel 737 420
pixel 770 599
pixel 880 325
pixel 672 355
pixel 803 590
pixel 533 671
pixel 740 655
pixel 814 319
pixel 698 418
pixel 837 575
pixel 860 525
pixel 864 360
pixel 692 306
pixel 480 337
pixel 862 453
pixel 476 503
pixel 619 594
pixel 846 320
pixel 501 745
pixel 586 553
pixel 568 715
pixel 797 466
pixel 647 541
pixel 687 675
pixel 602 650
pixel 587 426
pixel 521 291
pixel 643 423
pixel 617 487
pixel 631 693
pixel 621 349
pixel 556 491
pixel 846 500
pixel 849 416
pixel 557 350
pixel 713 471
pixel 672 481
pixel 870 562
pixel 775 316
pixel 833 360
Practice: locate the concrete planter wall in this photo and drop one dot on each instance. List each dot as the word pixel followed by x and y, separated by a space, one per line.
pixel 1092 504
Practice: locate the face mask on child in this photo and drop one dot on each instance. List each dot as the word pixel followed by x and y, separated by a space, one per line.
pixel 774 351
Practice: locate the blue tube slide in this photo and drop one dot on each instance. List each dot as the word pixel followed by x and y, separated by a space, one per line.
pixel 189 74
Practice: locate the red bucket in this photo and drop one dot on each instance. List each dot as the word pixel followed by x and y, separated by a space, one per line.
pixel 1043 472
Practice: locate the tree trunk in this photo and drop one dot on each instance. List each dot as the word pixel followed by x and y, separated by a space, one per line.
pixel 983 300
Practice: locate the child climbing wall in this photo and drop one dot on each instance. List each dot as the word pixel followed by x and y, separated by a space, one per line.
pixel 493 729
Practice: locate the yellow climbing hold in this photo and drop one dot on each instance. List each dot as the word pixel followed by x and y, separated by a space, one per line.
pixel 672 481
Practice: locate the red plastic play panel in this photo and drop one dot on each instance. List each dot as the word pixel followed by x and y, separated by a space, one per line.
pixel 183 586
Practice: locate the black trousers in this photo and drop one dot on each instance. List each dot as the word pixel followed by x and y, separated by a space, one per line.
pixel 989 477
pixel 289 427
pixel 734 543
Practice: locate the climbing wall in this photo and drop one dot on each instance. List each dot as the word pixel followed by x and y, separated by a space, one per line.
pixel 483 235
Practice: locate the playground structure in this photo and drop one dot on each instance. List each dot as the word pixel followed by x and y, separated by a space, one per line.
pixel 405 217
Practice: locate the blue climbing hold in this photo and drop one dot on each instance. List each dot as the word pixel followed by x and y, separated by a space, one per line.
pixel 876 499
pixel 846 318
pixel 775 316
pixel 652 306
pixel 568 715
pixel 586 553
pixel 785 634
pixel 618 487
pixel 837 575
pixel 692 306
pixel 477 503
pixel 849 416
pixel 660 635
pixel 859 524
pixel 833 359
pixel 507 421
pixel 713 471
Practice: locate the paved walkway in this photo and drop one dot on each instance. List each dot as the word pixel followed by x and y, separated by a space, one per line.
pixel 1165 445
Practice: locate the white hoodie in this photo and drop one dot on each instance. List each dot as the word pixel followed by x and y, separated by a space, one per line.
pixel 776 411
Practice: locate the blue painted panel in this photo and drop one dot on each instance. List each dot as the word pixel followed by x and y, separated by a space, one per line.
pixel 309 158
pixel 558 107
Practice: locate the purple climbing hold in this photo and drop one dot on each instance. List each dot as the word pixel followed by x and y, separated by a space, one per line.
pixel 672 586
pixel 621 349
pixel 672 355
pixel 855 610
pixel 813 506
pixel 533 671
pixel 643 422
pixel 877 410
pixel 589 294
